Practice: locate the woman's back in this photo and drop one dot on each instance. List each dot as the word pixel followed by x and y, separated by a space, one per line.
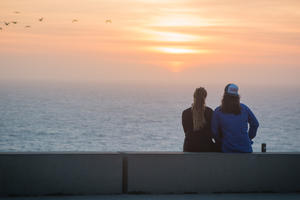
pixel 234 129
pixel 199 140
pixel 230 123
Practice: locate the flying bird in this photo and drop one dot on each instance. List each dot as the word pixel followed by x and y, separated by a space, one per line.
pixel 6 23
pixel 14 22
pixel 27 26
pixel 74 20
pixel 108 21
pixel 17 12
pixel 41 19
pixel 0 28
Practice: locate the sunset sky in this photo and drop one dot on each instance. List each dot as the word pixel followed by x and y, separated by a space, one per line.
pixel 187 41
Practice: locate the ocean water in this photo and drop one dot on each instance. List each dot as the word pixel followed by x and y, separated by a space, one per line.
pixel 107 117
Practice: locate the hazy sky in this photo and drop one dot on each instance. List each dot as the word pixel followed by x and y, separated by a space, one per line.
pixel 188 41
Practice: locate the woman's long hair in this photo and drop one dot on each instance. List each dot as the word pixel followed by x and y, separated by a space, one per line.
pixel 231 104
pixel 198 108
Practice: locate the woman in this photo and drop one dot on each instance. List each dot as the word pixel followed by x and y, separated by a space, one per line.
pixel 196 122
pixel 230 123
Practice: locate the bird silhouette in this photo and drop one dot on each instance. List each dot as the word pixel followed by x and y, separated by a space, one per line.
pixel 41 19
pixel 108 21
pixel 27 26
pixel 6 23
pixel 14 22
pixel 0 28
pixel 17 12
pixel 74 20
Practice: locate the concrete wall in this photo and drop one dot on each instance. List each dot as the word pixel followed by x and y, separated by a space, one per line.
pixel 212 172
pixel 60 173
pixel 147 172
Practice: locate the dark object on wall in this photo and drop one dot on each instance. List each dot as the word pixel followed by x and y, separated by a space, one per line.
pixel 263 147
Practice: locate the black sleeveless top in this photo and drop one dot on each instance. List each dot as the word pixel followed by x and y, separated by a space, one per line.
pixel 200 140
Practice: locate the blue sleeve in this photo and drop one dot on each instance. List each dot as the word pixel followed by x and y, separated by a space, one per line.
pixel 253 124
pixel 215 126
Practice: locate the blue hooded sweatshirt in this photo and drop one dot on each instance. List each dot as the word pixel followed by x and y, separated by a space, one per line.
pixel 232 130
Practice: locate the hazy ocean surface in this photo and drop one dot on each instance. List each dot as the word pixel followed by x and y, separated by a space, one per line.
pixel 103 117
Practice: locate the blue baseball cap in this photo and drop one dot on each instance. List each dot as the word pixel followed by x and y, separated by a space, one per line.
pixel 232 89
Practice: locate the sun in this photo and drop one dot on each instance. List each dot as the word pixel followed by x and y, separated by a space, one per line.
pixel 175 66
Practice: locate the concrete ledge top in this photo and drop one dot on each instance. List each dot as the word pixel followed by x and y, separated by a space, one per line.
pixel 208 153
pixel 60 153
pixel 141 153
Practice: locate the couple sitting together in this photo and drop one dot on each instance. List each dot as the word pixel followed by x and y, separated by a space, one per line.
pixel 222 130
